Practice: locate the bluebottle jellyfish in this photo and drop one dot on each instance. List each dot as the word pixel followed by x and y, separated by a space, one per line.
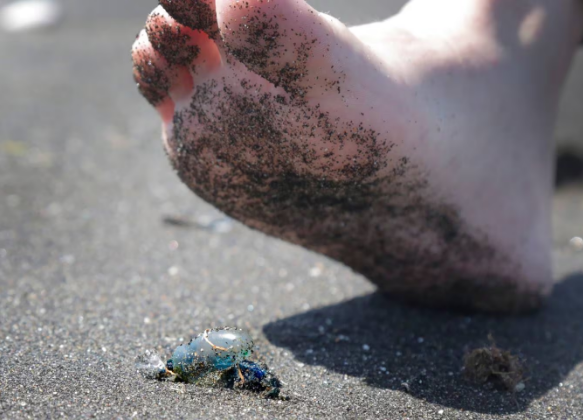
pixel 215 357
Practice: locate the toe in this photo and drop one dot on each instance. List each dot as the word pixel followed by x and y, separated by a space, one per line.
pixel 159 82
pixel 196 14
pixel 173 41
pixel 151 74
pixel 180 44
pixel 286 42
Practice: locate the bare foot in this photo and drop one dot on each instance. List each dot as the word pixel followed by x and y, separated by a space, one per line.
pixel 416 150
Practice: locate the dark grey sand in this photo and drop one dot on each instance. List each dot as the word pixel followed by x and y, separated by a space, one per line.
pixel 91 275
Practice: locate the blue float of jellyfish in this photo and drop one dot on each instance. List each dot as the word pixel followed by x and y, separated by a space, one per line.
pixel 217 356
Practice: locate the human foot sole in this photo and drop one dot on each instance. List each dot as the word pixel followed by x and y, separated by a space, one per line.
pixel 282 118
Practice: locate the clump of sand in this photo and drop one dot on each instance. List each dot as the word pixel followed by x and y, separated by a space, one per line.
pixel 494 365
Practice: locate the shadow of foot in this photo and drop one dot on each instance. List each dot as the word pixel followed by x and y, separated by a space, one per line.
pixel 421 351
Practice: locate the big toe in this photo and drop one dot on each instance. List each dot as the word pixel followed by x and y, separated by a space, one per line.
pixel 288 43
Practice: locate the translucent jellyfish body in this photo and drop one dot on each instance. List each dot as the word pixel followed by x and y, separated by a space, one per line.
pixel 211 352
pixel 150 365
pixel 217 357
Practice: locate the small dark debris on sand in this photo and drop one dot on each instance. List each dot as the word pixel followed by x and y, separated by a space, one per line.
pixel 496 366
pixel 177 221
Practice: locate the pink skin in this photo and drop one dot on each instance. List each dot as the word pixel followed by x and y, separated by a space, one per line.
pixel 437 122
